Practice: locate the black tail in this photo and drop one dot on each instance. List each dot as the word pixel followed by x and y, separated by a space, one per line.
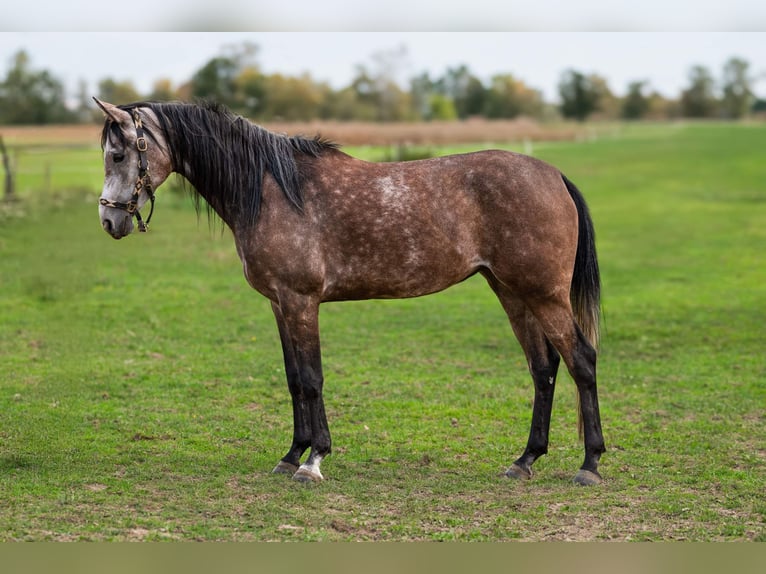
pixel 585 293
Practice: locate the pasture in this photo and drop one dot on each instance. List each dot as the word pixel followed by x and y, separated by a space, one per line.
pixel 142 392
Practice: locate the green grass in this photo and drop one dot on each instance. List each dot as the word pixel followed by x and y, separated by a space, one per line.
pixel 142 394
pixel 50 169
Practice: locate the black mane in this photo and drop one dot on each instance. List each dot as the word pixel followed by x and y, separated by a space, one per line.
pixel 227 157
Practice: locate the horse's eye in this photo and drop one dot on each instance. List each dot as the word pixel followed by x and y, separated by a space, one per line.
pixel 118 157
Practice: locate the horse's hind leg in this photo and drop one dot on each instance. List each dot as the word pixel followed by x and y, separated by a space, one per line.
pixel 557 321
pixel 543 361
pixel 543 366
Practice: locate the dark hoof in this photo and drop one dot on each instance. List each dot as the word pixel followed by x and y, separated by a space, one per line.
pixel 285 468
pixel 306 475
pixel 587 478
pixel 518 472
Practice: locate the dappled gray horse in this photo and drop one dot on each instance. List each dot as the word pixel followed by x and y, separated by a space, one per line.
pixel 312 224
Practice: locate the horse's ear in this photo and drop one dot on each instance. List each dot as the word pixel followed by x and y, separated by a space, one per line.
pixel 113 112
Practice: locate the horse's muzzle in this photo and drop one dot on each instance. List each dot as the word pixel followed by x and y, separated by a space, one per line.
pixel 117 223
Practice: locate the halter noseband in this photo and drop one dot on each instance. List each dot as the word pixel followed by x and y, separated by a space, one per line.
pixel 143 183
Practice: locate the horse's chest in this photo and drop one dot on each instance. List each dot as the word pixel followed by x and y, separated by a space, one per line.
pixel 272 263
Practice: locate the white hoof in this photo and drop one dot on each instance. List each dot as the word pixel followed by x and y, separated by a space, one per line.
pixel 309 473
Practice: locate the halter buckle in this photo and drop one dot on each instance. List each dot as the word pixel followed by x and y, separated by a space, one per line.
pixel 141 144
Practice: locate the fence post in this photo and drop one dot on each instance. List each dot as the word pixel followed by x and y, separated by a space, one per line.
pixel 528 147
pixel 9 191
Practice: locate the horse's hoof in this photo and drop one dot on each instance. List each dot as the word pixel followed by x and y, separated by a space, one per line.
pixel 587 478
pixel 304 474
pixel 285 468
pixel 519 472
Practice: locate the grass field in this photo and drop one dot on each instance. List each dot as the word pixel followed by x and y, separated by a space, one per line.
pixel 142 394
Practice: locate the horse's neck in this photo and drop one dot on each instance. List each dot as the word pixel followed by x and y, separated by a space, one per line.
pixel 187 172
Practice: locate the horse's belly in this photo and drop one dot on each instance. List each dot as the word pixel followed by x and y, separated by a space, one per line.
pixel 409 276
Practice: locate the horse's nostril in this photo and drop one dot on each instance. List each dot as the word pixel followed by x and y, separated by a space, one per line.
pixel 107 225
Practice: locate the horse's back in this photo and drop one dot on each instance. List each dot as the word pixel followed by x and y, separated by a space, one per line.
pixel 411 228
pixel 498 178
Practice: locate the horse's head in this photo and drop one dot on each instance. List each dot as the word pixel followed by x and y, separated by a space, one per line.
pixel 136 162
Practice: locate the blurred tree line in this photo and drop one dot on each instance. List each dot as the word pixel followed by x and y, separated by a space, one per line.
pixel 375 93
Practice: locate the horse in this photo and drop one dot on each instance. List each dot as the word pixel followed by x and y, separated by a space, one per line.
pixel 312 224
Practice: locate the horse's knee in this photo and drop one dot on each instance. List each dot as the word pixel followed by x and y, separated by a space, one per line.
pixel 311 389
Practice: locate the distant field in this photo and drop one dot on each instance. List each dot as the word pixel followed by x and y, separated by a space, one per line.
pixel 347 133
pixel 52 158
pixel 142 393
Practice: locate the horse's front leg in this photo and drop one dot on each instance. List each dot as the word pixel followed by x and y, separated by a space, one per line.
pixel 301 420
pixel 298 324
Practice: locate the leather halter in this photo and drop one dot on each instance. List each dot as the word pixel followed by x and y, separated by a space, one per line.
pixel 143 183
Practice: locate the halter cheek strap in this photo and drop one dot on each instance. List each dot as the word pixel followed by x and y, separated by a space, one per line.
pixel 143 183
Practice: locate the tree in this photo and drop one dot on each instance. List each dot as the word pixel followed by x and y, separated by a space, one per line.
pixel 607 104
pixel 85 110
pixel 662 108
pixel 28 96
pixel 377 85
pixel 346 105
pixel 473 100
pixel 508 97
pixel 117 92
pixel 698 100
pixel 252 91
pixel 232 78
pixel 738 94
pixel 291 98
pixel 162 91
pixel 422 90
pixel 636 103
pixel 429 100
pixel 579 97
pixel 216 80
pixel 440 107
pixel 466 91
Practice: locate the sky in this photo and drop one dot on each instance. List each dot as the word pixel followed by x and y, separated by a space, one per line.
pixel 405 15
pixel 537 58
